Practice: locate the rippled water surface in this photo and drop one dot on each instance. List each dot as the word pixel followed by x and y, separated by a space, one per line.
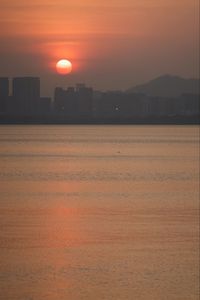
pixel 99 212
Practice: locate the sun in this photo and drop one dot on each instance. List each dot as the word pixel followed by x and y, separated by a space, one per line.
pixel 64 66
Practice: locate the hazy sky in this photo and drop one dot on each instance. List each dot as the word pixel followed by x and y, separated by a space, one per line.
pixel 112 44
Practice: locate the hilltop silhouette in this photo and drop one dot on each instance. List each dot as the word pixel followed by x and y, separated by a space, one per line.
pixel 167 86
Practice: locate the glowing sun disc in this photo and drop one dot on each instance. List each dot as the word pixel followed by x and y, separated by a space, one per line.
pixel 64 66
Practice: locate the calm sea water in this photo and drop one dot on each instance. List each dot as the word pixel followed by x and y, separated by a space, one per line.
pixel 99 212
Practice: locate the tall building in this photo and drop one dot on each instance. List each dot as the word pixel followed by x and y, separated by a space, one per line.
pixel 65 102
pixel 59 100
pixel 4 93
pixel 84 97
pixel 44 106
pixel 26 94
pixel 74 102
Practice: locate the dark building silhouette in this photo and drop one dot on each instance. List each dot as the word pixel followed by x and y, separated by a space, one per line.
pixel 158 106
pixel 82 104
pixel 74 102
pixel 59 100
pixel 116 104
pixel 4 93
pixel 108 104
pixel 84 96
pixel 44 106
pixel 26 94
pixel 65 101
pixel 133 105
pixel 189 104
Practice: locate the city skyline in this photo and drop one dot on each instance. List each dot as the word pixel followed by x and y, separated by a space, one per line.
pixel 111 46
pixel 82 104
pixel 166 79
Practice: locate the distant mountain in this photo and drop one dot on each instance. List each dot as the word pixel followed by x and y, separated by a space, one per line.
pixel 167 86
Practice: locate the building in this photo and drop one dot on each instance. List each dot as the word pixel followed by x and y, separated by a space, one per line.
pixel 84 96
pixel 4 93
pixel 26 94
pixel 74 102
pixel 65 102
pixel 44 106
pixel 190 104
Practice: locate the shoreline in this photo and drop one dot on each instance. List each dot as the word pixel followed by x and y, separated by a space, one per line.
pixel 62 119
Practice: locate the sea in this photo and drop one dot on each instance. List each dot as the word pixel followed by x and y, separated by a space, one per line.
pixel 102 212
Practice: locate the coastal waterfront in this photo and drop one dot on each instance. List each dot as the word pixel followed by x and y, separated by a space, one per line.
pixel 99 212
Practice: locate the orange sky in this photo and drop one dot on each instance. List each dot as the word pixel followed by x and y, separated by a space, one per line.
pixel 112 44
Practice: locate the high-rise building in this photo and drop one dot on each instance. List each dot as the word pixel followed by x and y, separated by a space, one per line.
pixel 74 102
pixel 44 106
pixel 84 97
pixel 4 93
pixel 59 100
pixel 26 94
